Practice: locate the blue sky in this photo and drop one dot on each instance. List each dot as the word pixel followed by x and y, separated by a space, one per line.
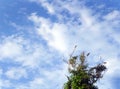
pixel 36 35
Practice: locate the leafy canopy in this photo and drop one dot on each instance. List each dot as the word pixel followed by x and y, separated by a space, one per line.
pixel 81 76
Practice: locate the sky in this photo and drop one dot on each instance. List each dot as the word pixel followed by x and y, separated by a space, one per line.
pixel 36 35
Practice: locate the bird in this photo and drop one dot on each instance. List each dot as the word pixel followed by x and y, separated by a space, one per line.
pixel 88 54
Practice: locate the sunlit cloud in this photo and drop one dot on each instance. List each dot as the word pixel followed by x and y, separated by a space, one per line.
pixel 33 56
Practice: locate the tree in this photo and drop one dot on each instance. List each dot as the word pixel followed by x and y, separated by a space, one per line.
pixel 81 76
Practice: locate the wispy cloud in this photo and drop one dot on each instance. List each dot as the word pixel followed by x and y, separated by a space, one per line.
pixel 38 58
pixel 91 31
pixel 16 73
pixel 32 60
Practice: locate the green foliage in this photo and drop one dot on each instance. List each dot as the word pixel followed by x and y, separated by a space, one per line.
pixel 82 77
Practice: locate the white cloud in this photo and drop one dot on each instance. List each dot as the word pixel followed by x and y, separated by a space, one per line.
pixel 114 15
pixel 37 82
pixel 81 27
pixel 113 67
pixel 31 57
pixel 52 33
pixel 46 5
pixel 4 84
pixel 10 48
pixel 48 80
pixel 34 84
pixel 23 51
pixel 16 73
pixel 113 70
pixel 100 37
pixel 16 26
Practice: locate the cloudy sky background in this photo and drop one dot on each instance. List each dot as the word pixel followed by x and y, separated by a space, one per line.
pixel 36 35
